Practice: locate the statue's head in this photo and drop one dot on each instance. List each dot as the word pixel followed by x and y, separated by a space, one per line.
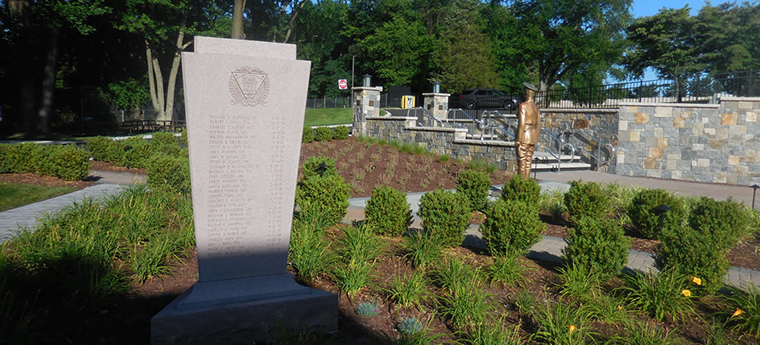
pixel 530 89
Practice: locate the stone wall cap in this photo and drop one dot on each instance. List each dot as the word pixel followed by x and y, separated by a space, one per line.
pixel 437 129
pixel 368 88
pixel 672 105
pixel 391 118
pixel 740 99
pixel 436 94
pixel 484 142
pixel 576 110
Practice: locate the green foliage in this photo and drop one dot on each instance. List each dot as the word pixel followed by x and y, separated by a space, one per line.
pixel 127 94
pixel 409 325
pixel 400 46
pixel 645 333
pixel 454 275
pixel 466 305
pixel 353 277
pixel 183 137
pixel 163 138
pixel 169 173
pixel 367 309
pixel 519 189
pixel 328 194
pixel 507 271
pixel 409 290
pixel 445 215
pixel 319 165
pixel 388 212
pixel 748 302
pixel 579 281
pixel 494 333
pixel 597 243
pixel 474 186
pixel 309 253
pixel 71 163
pixel 360 244
pixel 308 135
pixel 479 164
pixel 20 157
pixel 323 134
pixel 105 149
pixel 422 249
pixel 511 227
pixel 342 132
pixel 561 323
pixel 642 213
pixel 662 296
pixel 701 248
pixel 5 160
pixel 137 154
pixel 586 200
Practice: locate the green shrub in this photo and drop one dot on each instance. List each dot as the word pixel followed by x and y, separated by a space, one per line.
pixel 700 248
pixel 642 213
pixel 167 149
pixel 43 162
pixel 445 215
pixel 511 227
pixel 474 186
pixel 72 163
pixel 328 194
pixel 597 243
pixel 183 137
pixel 388 212
pixel 308 135
pixel 586 200
pixel 341 132
pixel 164 138
pixel 519 189
pixel 5 162
pixel 324 134
pixel 21 157
pixel 104 149
pixel 319 165
pixel 169 173
pixel 137 155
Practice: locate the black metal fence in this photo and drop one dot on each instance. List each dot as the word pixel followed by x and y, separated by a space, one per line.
pixel 695 89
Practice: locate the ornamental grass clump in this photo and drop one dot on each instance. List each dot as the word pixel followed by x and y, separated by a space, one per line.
pixel 586 200
pixel 474 186
pixel 388 212
pixel 700 248
pixel 445 216
pixel 643 214
pixel 506 271
pixel 407 290
pixel 519 189
pixel 665 296
pixel 511 227
pixel 597 243
pixel 561 323
pixel 744 315
pixel 422 250
pixel 309 253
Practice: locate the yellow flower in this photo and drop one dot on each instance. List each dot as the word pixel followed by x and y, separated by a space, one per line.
pixel 686 292
pixel 696 280
pixel 571 328
pixel 620 308
pixel 737 312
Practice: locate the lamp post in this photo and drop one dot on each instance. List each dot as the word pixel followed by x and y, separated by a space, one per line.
pixel 754 190
pixel 436 87
pixel 367 80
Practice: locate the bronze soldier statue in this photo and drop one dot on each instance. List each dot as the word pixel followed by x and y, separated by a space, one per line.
pixel 528 126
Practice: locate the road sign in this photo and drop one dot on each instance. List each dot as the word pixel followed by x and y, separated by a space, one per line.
pixel 342 84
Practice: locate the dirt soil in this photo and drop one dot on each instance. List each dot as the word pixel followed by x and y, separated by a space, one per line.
pixel 102 166
pixel 46 181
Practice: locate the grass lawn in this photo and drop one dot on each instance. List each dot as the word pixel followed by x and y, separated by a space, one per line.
pixel 328 116
pixel 14 195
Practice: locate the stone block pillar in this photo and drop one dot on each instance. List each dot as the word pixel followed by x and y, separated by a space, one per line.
pixel 437 104
pixel 366 103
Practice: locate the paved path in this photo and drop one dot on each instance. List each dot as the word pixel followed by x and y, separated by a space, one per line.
pixel 26 216
pixel 550 248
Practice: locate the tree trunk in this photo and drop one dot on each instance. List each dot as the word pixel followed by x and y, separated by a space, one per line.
pixel 152 79
pixel 159 76
pixel 237 20
pixel 48 84
pixel 296 10
pixel 169 110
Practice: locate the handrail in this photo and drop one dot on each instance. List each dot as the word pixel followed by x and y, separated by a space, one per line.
pixel 425 112
pixel 480 124
pixel 557 157
pixel 599 145
pixel 564 144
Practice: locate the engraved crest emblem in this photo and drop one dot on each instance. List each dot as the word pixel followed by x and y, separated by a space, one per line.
pixel 249 86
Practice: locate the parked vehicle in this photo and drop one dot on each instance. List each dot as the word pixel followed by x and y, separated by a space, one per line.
pixel 487 98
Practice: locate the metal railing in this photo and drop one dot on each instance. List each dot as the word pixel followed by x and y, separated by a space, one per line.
pixel 329 102
pixel 425 115
pixel 597 142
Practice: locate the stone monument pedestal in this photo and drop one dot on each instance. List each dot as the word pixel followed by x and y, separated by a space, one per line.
pixel 242 311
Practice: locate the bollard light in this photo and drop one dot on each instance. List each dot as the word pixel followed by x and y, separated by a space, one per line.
pixel 754 190
pixel 367 80
pixel 436 87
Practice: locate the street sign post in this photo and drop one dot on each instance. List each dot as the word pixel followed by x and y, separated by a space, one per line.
pixel 342 84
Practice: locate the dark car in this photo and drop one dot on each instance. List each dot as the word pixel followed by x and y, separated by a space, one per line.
pixel 487 98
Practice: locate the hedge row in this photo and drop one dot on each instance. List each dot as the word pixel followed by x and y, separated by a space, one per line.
pixel 324 134
pixel 64 161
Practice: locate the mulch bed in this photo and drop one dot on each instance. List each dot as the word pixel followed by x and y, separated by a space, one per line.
pixel 102 166
pixel 45 181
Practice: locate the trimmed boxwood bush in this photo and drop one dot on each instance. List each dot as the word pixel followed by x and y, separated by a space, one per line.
pixel 319 165
pixel 473 186
pixel 183 137
pixel 5 162
pixel 342 132
pixel 700 247
pixel 586 200
pixel 21 157
pixel 104 149
pixel 511 227
pixel 387 212
pixel 308 135
pixel 642 213
pixel 519 189
pixel 169 173
pixel 597 243
pixel 43 160
pixel 164 138
pixel 72 163
pixel 324 134
pixel 445 215
pixel 327 193
pixel 137 155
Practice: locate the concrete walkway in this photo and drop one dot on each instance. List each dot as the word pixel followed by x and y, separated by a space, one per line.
pixel 27 216
pixel 550 248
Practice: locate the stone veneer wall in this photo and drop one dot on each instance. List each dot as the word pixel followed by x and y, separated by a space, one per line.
pixel 692 142
pixel 450 141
